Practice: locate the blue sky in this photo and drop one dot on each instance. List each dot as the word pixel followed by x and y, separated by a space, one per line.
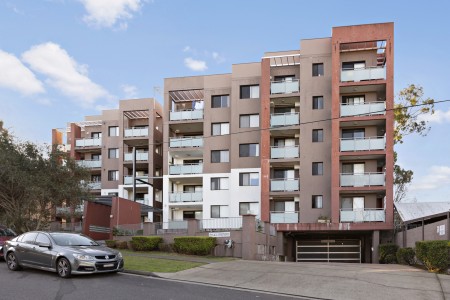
pixel 63 59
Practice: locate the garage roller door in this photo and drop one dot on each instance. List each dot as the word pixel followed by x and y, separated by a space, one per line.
pixel 329 250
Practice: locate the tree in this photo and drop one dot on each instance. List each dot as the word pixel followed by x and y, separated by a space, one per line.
pixel 33 180
pixel 408 110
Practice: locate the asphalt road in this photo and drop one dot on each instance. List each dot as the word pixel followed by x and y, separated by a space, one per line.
pixel 34 284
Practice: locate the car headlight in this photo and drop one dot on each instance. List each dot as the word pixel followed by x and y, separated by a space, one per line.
pixel 119 255
pixel 83 257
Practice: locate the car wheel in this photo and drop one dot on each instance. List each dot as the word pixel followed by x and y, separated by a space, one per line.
pixel 63 268
pixel 12 262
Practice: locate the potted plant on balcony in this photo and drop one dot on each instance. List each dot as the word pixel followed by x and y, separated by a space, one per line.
pixel 323 219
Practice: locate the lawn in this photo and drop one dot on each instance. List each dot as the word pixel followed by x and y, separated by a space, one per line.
pixel 171 254
pixel 147 264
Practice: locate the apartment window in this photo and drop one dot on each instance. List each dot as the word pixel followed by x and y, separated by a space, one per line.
pixel 285 78
pixel 220 101
pixel 248 179
pixel 220 128
pixel 317 69
pixel 113 130
pixel 353 133
pixel 248 150
pixel 353 65
pixel 249 91
pixel 96 178
pixel 317 168
pixel 96 157
pixel 317 135
pixel 247 208
pixel 353 100
pixel 317 201
pixel 219 183
pixel 218 211
pixel 96 135
pixel 247 121
pixel 113 175
pixel 113 153
pixel 220 156
pixel 317 102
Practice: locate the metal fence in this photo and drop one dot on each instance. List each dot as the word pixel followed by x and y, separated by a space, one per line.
pixel 220 224
pixel 129 229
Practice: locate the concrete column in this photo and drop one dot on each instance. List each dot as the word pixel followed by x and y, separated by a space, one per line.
pixel 375 244
pixel 249 237
pixel 192 227
pixel 149 229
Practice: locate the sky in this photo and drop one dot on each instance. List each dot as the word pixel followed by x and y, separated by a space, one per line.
pixel 61 60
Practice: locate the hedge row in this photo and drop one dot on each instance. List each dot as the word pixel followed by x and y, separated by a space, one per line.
pixel 145 243
pixel 388 253
pixel 406 256
pixel 196 245
pixel 433 254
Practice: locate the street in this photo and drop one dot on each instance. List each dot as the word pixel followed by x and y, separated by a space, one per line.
pixel 35 284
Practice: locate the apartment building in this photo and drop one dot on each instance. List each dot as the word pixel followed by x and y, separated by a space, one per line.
pixel 104 144
pixel 303 139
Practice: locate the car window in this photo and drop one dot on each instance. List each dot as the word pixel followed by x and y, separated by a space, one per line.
pixel 69 239
pixel 29 237
pixel 42 239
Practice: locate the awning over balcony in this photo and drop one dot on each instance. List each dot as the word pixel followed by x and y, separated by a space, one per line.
pixel 186 95
pixel 284 60
pixel 136 114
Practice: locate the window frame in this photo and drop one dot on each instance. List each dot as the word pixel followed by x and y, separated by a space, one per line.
pixel 222 99
pixel 318 69
pixel 220 156
pixel 317 135
pixel 317 168
pixel 249 181
pixel 318 102
pixel 116 151
pixel 315 202
pixel 252 93
pixel 220 124
pixel 116 133
pixel 112 177
pixel 220 183
pixel 250 117
pixel 242 150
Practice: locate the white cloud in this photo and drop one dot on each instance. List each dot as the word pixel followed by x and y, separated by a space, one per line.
pixel 14 75
pixel 437 177
pixel 130 91
pixel 439 116
pixel 64 73
pixel 186 49
pixel 195 65
pixel 106 13
pixel 218 58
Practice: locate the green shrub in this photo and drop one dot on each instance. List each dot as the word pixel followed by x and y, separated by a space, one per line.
pixel 433 254
pixel 388 253
pixel 197 245
pixel 406 256
pixel 122 245
pixel 145 243
pixel 111 243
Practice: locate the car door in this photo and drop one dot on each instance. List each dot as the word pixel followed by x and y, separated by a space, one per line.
pixel 42 253
pixel 25 246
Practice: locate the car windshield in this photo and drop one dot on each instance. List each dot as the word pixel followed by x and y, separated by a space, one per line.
pixel 68 239
pixel 7 232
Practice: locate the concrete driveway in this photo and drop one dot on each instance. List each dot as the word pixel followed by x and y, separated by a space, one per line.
pixel 323 280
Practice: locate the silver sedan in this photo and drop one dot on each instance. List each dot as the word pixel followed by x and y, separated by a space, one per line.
pixel 64 253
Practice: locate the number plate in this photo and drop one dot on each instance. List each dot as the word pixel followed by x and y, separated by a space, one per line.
pixel 108 265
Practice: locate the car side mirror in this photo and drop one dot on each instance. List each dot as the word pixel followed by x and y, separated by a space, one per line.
pixel 45 245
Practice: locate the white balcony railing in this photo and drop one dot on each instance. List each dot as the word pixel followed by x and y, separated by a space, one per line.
pixel 189 114
pixel 363 144
pixel 94 142
pixel 186 197
pixel 284 87
pixel 129 179
pixel 284 217
pixel 367 108
pixel 221 223
pixel 283 185
pixel 140 156
pixel 175 224
pixel 363 215
pixel 284 152
pixel 89 163
pixel 136 132
pixel 185 169
pixel 94 185
pixel 369 73
pixel 186 141
pixel 363 179
pixel 286 119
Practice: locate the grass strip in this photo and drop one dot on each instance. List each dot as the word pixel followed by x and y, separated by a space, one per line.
pixel 147 264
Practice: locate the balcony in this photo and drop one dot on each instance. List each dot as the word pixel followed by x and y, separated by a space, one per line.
pixel 282 217
pixel 185 169
pixel 188 114
pixel 140 156
pixel 368 73
pixel 136 132
pixel 186 197
pixel 129 179
pixel 284 87
pixel 186 142
pixel 90 164
pixel 363 215
pixel 363 179
pixel 284 152
pixel 94 185
pixel 368 108
pixel 363 144
pixel 94 142
pixel 284 185
pixel 286 119
pixel 221 223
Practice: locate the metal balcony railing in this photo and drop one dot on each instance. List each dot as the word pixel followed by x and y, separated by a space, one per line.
pixel 185 169
pixel 284 152
pixel 129 179
pixel 368 73
pixel 90 163
pixel 363 215
pixel 220 223
pixel 186 141
pixel 367 108
pixel 136 132
pixel 363 144
pixel 140 156
pixel 94 185
pixel 363 179
pixel 286 119
pixel 186 197
pixel 284 87
pixel 284 217
pixel 93 142
pixel 188 114
pixel 283 185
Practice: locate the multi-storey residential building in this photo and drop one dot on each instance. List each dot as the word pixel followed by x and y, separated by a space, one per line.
pixel 303 139
pixel 104 144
